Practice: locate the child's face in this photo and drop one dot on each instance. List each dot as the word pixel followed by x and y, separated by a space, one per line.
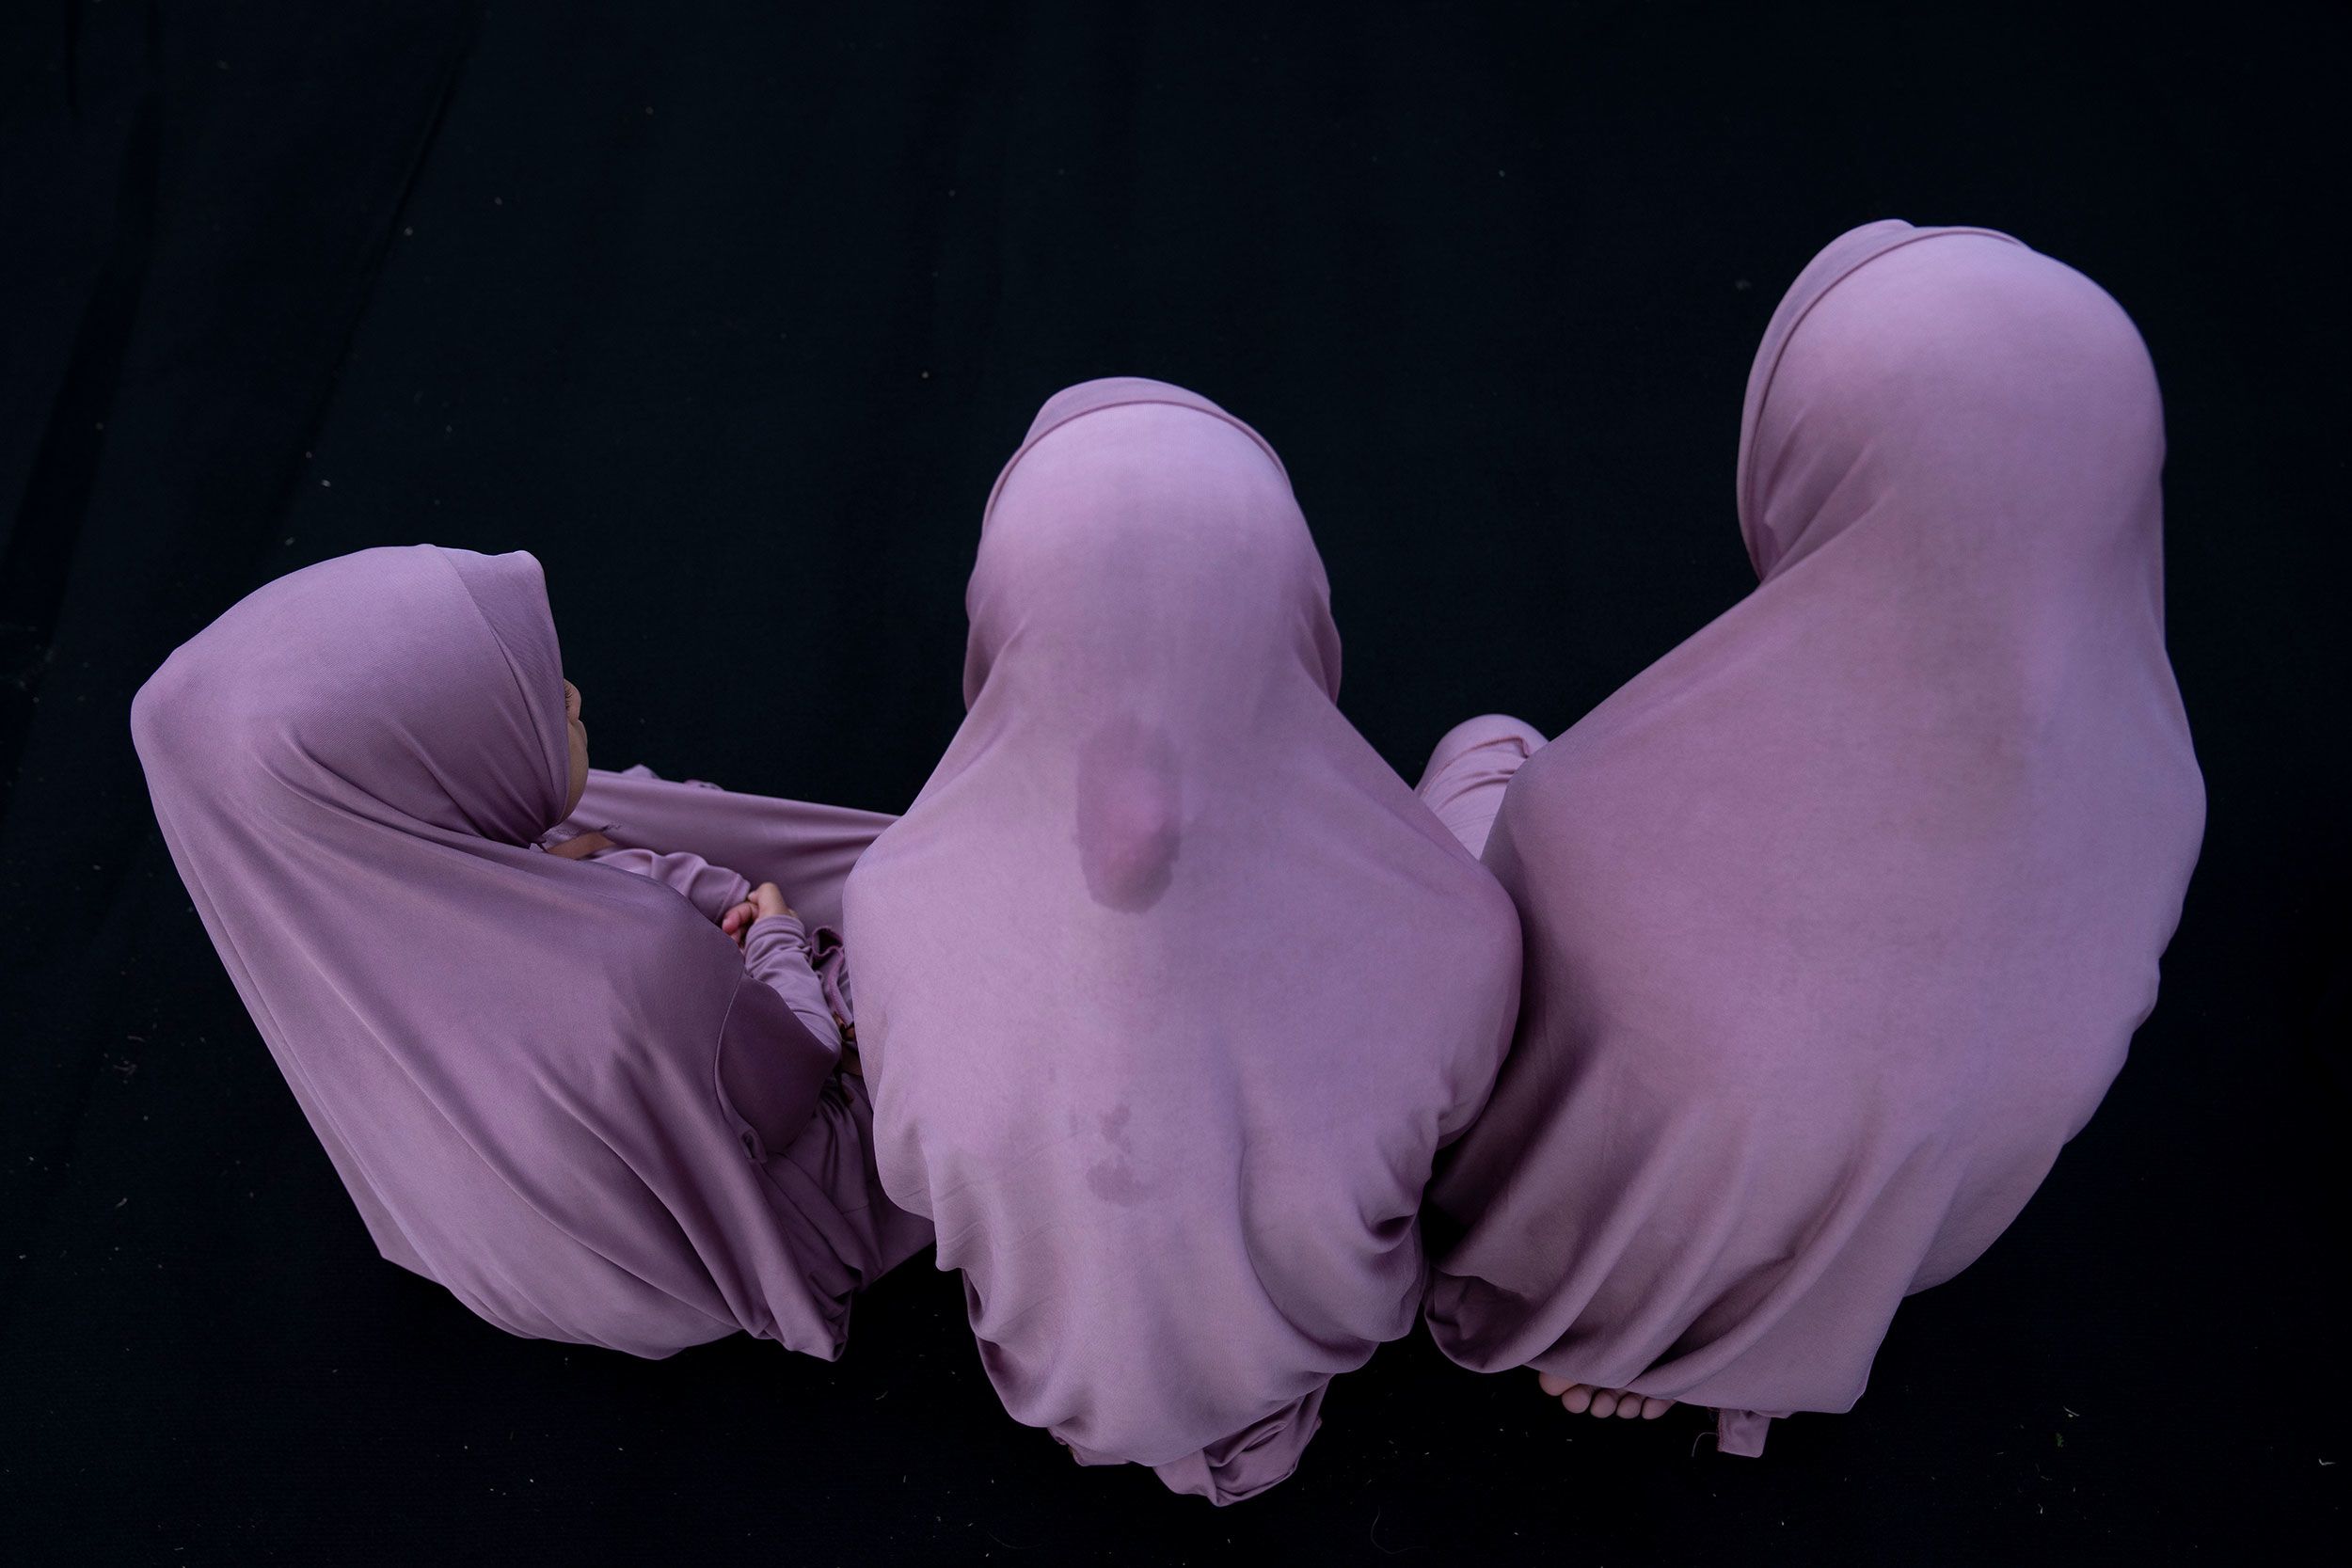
pixel 580 746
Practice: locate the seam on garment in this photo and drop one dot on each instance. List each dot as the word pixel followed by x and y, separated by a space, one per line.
pixel 747 1137
pixel 563 785
pixel 1745 505
pixel 1032 443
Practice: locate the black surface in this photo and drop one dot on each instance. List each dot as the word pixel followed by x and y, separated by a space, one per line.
pixel 731 315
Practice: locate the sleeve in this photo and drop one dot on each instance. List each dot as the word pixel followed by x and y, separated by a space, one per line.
pixel 777 952
pixel 712 889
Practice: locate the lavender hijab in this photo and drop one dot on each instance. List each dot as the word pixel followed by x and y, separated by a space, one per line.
pixel 525 1068
pixel 1839 917
pixel 1170 989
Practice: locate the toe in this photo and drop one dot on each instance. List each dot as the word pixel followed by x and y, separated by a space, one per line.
pixel 1578 1399
pixel 1552 1384
pixel 1628 1405
pixel 1604 1401
pixel 1652 1409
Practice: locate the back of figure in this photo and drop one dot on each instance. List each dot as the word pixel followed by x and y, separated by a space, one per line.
pixel 1168 986
pixel 1842 916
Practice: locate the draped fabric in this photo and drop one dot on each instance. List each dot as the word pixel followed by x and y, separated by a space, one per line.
pixel 517 1061
pixel 1170 989
pixel 1839 918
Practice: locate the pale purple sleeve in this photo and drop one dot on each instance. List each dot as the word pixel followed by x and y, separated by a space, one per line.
pixel 712 889
pixel 776 951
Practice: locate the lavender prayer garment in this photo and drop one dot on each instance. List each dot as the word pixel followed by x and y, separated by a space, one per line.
pixel 1170 989
pixel 1840 917
pixel 552 1086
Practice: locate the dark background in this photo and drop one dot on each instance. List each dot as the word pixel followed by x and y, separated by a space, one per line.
pixel 731 313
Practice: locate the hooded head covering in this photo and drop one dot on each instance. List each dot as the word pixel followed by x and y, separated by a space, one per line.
pixel 512 1059
pixel 1839 917
pixel 1169 988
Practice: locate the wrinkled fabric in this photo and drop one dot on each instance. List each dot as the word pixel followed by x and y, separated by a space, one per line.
pixel 1839 918
pixel 1170 989
pixel 795 844
pixel 1469 770
pixel 518 1063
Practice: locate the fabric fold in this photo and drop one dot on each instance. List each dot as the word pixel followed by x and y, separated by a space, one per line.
pixel 1127 970
pixel 522 1065
pixel 1840 917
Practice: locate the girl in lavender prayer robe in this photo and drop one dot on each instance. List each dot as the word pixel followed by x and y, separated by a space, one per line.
pixel 1170 989
pixel 1840 917
pixel 544 1069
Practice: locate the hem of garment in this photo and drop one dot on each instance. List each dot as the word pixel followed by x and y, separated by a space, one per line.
pixel 1742 1431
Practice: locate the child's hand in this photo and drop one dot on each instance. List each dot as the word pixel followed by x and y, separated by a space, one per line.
pixel 768 899
pixel 737 922
pixel 765 899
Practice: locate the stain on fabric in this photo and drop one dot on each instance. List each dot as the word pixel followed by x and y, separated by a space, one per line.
pixel 1130 813
pixel 1113 1179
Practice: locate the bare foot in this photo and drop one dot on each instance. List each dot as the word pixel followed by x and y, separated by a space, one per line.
pixel 1579 1398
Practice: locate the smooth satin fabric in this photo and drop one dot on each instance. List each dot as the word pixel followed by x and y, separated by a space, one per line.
pixel 1170 989
pixel 517 1062
pixel 1840 917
